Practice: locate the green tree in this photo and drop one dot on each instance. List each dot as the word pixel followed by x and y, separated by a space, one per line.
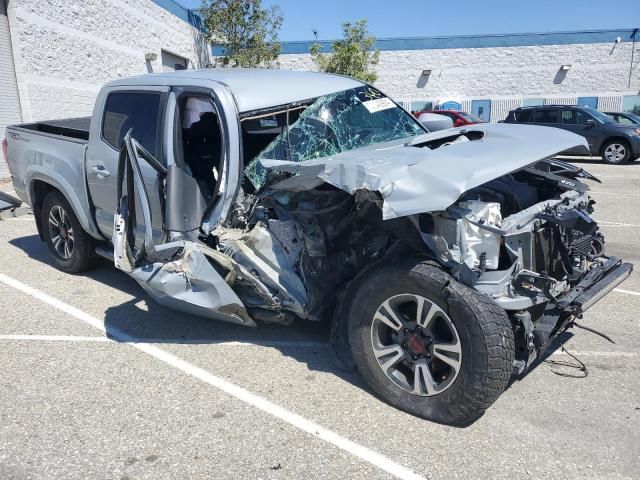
pixel 247 32
pixel 352 56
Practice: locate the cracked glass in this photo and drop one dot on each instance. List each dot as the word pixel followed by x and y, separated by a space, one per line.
pixel 333 124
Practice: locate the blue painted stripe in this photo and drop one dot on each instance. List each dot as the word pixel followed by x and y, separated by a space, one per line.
pixel 475 41
pixel 190 16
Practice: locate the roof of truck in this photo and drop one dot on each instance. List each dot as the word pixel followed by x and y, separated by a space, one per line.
pixel 254 89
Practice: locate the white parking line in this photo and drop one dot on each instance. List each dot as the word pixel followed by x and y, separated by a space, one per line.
pixel 217 343
pixel 628 292
pixel 617 224
pixel 308 426
pixel 596 354
pixel 55 338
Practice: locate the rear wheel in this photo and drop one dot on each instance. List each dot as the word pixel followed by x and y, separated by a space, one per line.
pixel 72 249
pixel 616 151
pixel 429 345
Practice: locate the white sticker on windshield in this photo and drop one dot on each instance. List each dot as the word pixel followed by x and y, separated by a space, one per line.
pixel 379 104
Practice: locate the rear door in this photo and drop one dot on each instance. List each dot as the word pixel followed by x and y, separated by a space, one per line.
pixel 549 117
pixel 575 121
pixel 141 111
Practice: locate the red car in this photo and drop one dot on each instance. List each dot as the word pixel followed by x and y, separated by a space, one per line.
pixel 459 118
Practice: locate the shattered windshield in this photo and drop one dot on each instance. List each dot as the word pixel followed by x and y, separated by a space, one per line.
pixel 326 126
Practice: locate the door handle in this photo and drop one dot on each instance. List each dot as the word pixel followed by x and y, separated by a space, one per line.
pixel 100 171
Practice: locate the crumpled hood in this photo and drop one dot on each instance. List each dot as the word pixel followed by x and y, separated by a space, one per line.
pixel 414 179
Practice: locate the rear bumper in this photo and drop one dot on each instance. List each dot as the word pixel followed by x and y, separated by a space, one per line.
pixel 595 285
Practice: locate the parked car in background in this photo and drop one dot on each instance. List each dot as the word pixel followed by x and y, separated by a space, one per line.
pixel 624 118
pixel 433 122
pixel 459 118
pixel 615 142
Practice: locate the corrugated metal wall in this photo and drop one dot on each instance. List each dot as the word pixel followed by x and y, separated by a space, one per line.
pixel 9 100
pixel 501 107
pixel 610 104
pixel 561 101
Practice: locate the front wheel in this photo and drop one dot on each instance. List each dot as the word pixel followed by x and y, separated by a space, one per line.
pixel 616 151
pixel 428 345
pixel 72 249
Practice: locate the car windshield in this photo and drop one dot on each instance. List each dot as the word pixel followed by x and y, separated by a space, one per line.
pixel 327 126
pixel 635 118
pixel 603 117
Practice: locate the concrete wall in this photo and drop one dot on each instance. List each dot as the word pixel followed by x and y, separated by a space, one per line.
pixel 66 50
pixel 505 75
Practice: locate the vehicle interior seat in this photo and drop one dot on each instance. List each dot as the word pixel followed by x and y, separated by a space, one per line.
pixel 203 152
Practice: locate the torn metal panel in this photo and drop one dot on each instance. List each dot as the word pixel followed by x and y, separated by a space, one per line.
pixel 427 175
pixel 191 284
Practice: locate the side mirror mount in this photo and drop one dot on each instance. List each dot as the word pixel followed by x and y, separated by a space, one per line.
pixel 458 122
pixel 590 122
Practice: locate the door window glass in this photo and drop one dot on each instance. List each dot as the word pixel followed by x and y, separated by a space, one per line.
pixel 581 118
pixel 523 116
pixel 546 115
pixel 132 110
pixel 623 120
pixel 569 117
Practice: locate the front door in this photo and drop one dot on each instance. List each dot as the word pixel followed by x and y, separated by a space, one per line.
pixel 482 109
pixel 183 273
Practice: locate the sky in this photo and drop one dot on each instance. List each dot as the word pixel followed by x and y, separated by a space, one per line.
pixel 407 18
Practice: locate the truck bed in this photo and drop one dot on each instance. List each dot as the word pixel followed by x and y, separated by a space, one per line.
pixel 76 128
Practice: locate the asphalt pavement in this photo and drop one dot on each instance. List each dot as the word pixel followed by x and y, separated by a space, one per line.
pixel 99 381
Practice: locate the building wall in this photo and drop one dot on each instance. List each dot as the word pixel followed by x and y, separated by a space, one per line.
pixel 65 51
pixel 506 75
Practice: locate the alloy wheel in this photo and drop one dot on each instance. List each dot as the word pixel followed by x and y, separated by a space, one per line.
pixel 615 153
pixel 416 344
pixel 61 232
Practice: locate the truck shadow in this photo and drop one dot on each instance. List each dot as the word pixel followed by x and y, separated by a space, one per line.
pixel 140 319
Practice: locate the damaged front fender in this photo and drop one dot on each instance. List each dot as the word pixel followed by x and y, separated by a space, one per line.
pixel 191 284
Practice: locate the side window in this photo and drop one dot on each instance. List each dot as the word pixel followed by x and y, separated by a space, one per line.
pixel 137 110
pixel 569 117
pixel 623 120
pixel 582 118
pixel 523 116
pixel 547 115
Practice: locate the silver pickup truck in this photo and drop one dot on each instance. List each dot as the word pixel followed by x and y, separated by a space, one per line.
pixel 446 261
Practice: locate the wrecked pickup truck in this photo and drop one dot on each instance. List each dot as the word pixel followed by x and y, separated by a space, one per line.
pixel 446 261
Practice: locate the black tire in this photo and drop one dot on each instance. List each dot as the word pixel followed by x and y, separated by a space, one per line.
pixel 82 254
pixel 617 144
pixel 483 328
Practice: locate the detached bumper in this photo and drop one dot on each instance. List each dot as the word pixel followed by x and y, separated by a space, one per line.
pixel 595 285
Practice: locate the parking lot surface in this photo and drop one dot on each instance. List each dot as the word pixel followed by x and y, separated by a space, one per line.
pixel 98 381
